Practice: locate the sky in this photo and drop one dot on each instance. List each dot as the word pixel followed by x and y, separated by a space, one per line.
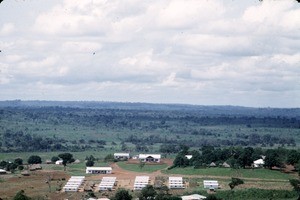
pixel 203 52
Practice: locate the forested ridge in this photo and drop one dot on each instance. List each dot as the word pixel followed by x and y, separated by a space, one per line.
pixel 47 126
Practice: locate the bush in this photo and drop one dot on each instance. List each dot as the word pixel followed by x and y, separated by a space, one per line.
pixel 34 160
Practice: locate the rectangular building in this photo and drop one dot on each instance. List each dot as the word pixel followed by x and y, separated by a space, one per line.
pixel 98 170
pixel 175 182
pixel 141 182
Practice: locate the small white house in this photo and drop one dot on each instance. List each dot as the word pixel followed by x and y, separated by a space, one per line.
pixel 210 184
pixel 121 156
pixel 2 171
pixel 150 157
pixel 258 163
pixel 188 156
pixel 59 162
pixel 98 170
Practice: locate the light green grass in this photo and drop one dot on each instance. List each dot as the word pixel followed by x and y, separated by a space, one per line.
pixel 137 168
pixel 243 173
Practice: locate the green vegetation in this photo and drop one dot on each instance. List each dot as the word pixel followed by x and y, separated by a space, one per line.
pixel 252 194
pixel 243 173
pixel 49 126
pixel 145 168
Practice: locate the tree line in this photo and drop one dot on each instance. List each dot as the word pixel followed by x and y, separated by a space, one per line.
pixel 237 157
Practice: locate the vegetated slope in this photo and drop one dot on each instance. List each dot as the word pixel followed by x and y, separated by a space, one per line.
pixel 42 125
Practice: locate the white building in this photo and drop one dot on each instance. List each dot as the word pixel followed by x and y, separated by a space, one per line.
pixel 193 197
pixel 150 157
pixel 98 170
pixel 141 182
pixel 59 162
pixel 2 171
pixel 175 182
pixel 210 184
pixel 107 183
pixel 121 156
pixel 188 156
pixel 73 184
pixel 258 163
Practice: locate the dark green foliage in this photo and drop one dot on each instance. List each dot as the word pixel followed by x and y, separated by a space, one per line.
pixel 89 163
pixel 54 159
pixel 246 157
pixel 66 157
pixel 148 193
pixel 21 196
pixel 18 161
pixel 235 182
pixel 122 194
pixel 212 197
pixel 293 157
pixel 181 161
pixel 34 159
pixel 272 159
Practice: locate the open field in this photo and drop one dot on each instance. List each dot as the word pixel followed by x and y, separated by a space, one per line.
pixel 125 173
pixel 228 172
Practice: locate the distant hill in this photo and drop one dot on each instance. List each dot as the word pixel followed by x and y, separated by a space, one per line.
pixel 199 109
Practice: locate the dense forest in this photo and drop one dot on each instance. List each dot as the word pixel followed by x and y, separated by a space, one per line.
pixel 57 126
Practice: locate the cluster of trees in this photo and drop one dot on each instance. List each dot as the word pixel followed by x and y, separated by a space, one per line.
pixel 147 193
pixel 236 157
pixel 12 166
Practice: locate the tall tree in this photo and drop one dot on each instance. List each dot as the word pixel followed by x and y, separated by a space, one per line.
pixel 66 157
pixel 272 159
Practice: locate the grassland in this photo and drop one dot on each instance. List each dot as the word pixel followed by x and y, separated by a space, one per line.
pixel 228 172
pixel 146 168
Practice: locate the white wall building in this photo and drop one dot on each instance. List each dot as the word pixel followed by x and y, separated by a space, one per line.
pixel 141 182
pixel 98 170
pixel 210 184
pixel 258 163
pixel 107 183
pixel 149 157
pixel 175 182
pixel 73 184
pixel 121 156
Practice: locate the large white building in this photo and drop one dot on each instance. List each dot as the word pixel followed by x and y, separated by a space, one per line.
pixel 98 170
pixel 141 182
pixel 107 183
pixel 193 197
pixel 73 184
pixel 175 182
pixel 149 157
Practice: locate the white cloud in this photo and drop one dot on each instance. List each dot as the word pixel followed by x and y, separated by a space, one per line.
pixel 213 52
pixel 7 29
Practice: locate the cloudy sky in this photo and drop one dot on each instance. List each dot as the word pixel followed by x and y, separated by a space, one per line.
pixel 206 52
